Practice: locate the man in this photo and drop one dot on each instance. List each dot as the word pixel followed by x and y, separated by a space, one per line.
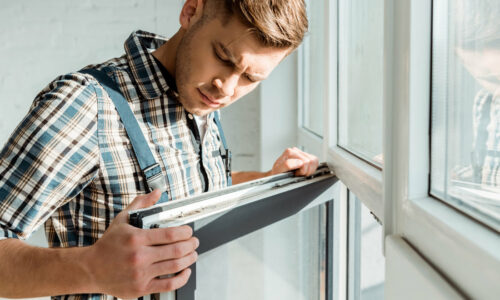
pixel 72 165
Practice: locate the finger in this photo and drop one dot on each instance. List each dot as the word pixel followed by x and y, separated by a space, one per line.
pixel 172 251
pixel 293 164
pixel 141 201
pixel 313 163
pixel 174 265
pixel 144 201
pixel 302 171
pixel 170 284
pixel 161 236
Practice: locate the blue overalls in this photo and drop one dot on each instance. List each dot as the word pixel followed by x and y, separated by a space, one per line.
pixel 150 168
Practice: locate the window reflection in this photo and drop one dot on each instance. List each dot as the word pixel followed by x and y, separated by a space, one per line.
pixel 466 106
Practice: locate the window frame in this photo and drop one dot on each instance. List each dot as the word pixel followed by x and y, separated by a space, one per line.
pixel 461 249
pixel 355 175
pixel 463 206
pixel 306 138
pixel 399 195
pixel 360 177
pixel 266 211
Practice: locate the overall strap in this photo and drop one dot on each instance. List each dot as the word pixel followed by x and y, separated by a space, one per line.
pixel 224 150
pixel 150 168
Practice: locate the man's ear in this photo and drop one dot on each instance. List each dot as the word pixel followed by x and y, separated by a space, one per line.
pixel 191 12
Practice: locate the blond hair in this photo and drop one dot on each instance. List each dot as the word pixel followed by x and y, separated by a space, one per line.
pixel 276 23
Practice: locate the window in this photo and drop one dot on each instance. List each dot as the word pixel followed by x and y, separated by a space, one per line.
pixel 313 69
pixel 354 97
pixel 366 261
pixel 283 261
pixel 465 161
pixel 266 239
pixel 358 263
pixel 431 247
pixel 360 76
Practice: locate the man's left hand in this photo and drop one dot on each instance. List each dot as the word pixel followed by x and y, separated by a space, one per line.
pixel 303 163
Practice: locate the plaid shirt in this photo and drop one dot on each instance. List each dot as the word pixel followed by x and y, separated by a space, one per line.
pixel 70 164
pixel 486 131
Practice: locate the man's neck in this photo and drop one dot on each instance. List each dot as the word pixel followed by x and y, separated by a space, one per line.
pixel 167 53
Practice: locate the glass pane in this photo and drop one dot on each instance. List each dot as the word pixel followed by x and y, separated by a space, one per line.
pixel 314 68
pixel 465 156
pixel 366 261
pixel 360 75
pixel 283 261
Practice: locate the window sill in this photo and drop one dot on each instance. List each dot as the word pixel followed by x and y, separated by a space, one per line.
pixel 466 252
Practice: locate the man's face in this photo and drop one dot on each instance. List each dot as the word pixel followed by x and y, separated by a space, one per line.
pixel 484 65
pixel 219 63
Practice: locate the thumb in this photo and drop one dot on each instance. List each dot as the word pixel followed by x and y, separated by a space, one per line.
pixel 144 201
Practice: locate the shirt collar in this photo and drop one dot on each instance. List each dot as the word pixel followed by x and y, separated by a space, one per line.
pixel 144 68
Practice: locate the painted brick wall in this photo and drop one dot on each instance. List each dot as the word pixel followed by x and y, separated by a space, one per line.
pixel 43 39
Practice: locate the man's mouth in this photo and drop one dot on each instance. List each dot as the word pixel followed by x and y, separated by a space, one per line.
pixel 207 100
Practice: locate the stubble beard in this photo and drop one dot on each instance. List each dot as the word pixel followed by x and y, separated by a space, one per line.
pixel 183 69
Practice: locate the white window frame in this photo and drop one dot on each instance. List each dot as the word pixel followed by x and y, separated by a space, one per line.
pixel 432 236
pixel 360 177
pixel 355 174
pixel 306 139
pixel 464 252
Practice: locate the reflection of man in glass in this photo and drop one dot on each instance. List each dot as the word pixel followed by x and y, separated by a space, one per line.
pixel 478 48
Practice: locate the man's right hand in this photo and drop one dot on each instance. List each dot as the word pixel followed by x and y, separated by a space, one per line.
pixel 126 261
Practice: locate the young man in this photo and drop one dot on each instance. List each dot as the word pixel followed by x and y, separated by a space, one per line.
pixel 73 164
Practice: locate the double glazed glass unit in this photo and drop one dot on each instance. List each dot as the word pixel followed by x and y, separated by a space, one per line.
pixel 266 239
pixel 465 163
pixel 360 78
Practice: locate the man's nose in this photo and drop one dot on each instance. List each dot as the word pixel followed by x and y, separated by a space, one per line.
pixel 226 85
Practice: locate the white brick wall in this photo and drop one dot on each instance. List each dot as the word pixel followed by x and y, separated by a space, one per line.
pixel 40 40
pixel 43 39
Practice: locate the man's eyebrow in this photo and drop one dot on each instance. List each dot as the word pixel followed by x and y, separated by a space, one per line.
pixel 234 61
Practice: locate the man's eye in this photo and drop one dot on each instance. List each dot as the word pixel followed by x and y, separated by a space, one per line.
pixel 249 79
pixel 220 58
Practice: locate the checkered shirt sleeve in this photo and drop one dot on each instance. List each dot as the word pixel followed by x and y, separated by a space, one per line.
pixel 51 156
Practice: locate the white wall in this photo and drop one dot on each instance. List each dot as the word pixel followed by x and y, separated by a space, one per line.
pixel 43 39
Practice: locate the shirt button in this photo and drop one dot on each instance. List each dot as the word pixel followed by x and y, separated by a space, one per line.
pixel 190 116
